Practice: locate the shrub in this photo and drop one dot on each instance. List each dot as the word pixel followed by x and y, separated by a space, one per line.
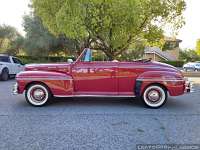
pixel 175 63
pixel 34 59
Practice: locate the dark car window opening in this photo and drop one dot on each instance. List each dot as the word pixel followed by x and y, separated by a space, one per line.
pixel 4 59
pixel 17 61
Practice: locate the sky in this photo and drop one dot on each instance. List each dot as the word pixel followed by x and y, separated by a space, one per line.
pixel 191 31
pixel 12 11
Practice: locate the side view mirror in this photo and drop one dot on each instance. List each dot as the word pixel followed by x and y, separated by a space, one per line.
pixel 69 60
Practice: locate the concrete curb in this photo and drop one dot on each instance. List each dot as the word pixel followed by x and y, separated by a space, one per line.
pixel 191 74
pixel 195 80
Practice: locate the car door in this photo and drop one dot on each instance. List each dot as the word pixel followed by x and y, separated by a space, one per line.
pixel 17 65
pixel 94 77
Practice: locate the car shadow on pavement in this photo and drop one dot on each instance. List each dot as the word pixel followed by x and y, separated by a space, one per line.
pixel 172 103
pixel 93 101
pixel 10 79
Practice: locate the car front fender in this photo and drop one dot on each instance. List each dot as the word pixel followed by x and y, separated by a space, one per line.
pixel 58 83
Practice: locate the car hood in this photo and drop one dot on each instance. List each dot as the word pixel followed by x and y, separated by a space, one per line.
pixel 47 65
pixel 61 67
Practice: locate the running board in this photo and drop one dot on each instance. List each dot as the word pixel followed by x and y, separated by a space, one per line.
pixel 94 96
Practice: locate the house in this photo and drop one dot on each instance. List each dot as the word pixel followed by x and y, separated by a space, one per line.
pixel 170 51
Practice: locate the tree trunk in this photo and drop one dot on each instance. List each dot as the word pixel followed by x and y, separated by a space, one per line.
pixel 1 42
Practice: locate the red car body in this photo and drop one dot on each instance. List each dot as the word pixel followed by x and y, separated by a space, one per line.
pixel 107 78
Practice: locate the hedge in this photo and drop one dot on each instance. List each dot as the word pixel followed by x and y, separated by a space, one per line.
pixel 175 63
pixel 34 59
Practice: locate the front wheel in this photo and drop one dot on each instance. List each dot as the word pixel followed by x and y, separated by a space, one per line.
pixel 37 94
pixel 5 74
pixel 154 96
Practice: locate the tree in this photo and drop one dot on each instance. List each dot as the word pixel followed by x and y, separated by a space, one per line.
pixel 16 45
pixel 8 34
pixel 198 47
pixel 135 51
pixel 189 55
pixel 39 41
pixel 110 25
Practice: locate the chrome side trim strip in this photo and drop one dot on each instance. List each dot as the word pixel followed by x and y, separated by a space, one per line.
pixel 162 80
pixel 94 96
pixel 48 78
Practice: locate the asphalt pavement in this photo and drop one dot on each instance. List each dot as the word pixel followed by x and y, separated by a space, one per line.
pixel 96 123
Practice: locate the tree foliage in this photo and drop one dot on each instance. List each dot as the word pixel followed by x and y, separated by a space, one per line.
pixel 39 41
pixel 198 47
pixel 189 55
pixel 135 51
pixel 16 45
pixel 8 32
pixel 110 25
pixel 8 35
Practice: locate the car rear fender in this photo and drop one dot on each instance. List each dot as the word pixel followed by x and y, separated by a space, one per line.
pixel 173 82
pixel 58 83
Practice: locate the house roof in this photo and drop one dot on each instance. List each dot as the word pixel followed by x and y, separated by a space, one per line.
pixel 157 51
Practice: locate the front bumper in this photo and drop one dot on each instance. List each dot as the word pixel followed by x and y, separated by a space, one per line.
pixel 15 89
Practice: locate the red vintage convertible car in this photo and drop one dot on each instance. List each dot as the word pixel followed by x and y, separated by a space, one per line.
pixel 93 75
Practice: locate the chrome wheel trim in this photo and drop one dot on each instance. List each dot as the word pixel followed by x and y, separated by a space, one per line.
pixel 153 100
pixel 37 95
pixel 153 95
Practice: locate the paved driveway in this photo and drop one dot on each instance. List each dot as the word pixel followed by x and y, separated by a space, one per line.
pixel 92 123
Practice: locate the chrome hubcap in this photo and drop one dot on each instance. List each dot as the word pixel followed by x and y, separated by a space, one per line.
pixel 38 94
pixel 153 96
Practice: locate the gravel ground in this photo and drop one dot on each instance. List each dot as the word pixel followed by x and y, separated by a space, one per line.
pixel 96 123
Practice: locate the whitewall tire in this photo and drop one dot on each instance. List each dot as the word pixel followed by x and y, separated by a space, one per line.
pixel 154 96
pixel 37 94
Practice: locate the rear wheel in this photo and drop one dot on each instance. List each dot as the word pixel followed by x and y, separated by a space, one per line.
pixel 37 94
pixel 154 96
pixel 5 74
